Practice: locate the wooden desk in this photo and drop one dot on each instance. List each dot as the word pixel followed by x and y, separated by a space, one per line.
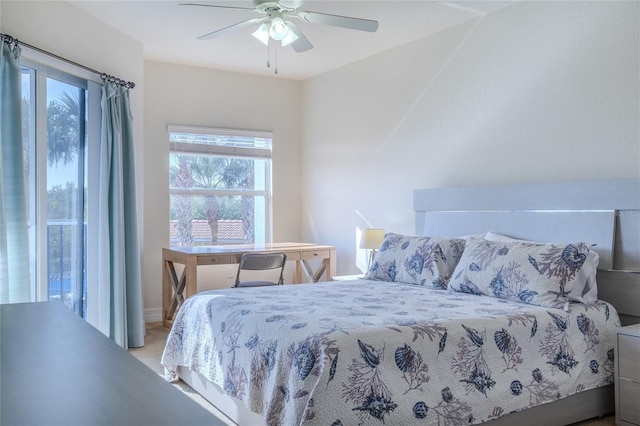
pixel 57 369
pixel 175 290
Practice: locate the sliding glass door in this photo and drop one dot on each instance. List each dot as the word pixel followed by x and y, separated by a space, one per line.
pixel 66 117
pixel 55 120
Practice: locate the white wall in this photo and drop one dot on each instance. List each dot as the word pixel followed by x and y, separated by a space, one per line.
pixel 64 30
pixel 535 92
pixel 176 94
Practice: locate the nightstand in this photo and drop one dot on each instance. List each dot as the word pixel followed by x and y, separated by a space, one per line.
pixel 627 375
pixel 347 277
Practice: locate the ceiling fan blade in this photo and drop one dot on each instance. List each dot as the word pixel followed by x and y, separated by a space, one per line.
pixel 292 4
pixel 302 44
pixel 230 28
pixel 339 21
pixel 221 7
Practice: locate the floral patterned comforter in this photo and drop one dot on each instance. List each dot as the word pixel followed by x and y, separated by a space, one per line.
pixel 372 352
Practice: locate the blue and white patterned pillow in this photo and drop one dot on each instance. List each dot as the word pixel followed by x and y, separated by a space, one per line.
pixel 538 274
pixel 586 288
pixel 426 261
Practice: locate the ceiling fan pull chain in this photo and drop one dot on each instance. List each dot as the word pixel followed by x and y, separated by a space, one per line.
pixel 276 53
pixel 268 54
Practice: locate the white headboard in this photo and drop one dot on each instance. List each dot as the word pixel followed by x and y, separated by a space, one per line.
pixel 605 213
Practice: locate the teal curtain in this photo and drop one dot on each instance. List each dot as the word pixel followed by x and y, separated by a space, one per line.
pixel 14 235
pixel 119 253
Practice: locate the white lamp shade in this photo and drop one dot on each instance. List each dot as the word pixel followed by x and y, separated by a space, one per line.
pixel 262 33
pixel 279 29
pixel 371 238
pixel 290 38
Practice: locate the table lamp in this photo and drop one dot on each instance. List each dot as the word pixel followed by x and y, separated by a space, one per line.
pixel 371 239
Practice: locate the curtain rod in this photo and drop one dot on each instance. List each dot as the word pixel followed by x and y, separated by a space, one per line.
pixel 105 77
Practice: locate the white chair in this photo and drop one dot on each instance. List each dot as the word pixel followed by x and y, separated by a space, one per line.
pixel 260 262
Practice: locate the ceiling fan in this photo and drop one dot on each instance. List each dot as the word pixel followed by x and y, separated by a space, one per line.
pixel 276 23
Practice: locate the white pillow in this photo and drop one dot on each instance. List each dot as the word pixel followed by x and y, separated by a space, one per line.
pixel 533 273
pixel 586 288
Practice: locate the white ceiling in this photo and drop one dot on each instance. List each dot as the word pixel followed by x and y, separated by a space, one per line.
pixel 168 31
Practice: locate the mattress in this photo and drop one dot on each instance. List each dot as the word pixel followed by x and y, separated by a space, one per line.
pixel 369 352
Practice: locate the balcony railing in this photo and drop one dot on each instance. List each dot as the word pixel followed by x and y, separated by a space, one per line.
pixel 66 265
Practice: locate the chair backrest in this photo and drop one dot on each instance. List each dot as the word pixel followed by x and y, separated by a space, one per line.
pixel 261 262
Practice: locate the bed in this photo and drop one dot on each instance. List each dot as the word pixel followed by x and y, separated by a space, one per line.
pixel 391 351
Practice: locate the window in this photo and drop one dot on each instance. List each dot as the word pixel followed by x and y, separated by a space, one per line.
pixel 219 186
pixel 56 108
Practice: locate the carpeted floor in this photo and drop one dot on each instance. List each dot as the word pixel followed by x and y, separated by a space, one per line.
pixel 151 354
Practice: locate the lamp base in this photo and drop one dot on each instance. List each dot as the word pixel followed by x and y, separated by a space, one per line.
pixel 372 255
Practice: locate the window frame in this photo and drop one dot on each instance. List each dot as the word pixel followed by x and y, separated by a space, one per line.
pixel 237 152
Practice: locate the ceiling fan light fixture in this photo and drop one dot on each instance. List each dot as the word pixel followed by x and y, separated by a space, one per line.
pixel 290 38
pixel 275 23
pixel 279 29
pixel 262 33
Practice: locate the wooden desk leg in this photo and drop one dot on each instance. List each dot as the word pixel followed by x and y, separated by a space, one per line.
pixel 191 276
pixel 172 292
pixel 332 266
pixel 166 293
pixel 169 286
pixel 298 277
pixel 326 270
pixel 178 290
pixel 322 269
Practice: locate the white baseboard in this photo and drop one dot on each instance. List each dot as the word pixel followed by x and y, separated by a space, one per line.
pixel 153 315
